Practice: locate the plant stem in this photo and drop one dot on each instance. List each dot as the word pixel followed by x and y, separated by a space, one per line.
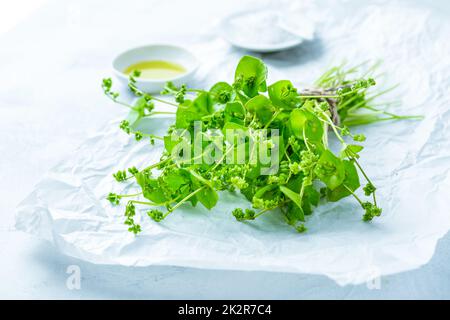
pixel 273 118
pixel 160 112
pixel 184 200
pixel 164 101
pixel 333 126
pixel 144 202
pixel 365 176
pixel 157 164
pixel 221 159
pixel 118 101
pixel 319 96
pixel 306 140
pixel 261 212
pixel 129 195
pixel 354 195
pixel 391 114
pixel 302 191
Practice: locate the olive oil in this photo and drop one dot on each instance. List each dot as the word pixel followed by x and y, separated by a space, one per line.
pixel 156 69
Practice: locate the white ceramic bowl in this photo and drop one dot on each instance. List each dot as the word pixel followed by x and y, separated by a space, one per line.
pixel 169 53
pixel 256 40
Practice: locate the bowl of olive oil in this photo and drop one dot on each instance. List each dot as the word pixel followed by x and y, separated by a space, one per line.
pixel 157 64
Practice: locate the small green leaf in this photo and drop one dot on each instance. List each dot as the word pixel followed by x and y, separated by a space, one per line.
pixel 221 93
pixel 294 214
pixel 330 170
pixel 351 181
pixel 190 111
pixel 171 142
pixel 284 95
pixel 262 107
pixel 250 76
pixel 351 150
pixel 295 197
pixel 234 112
pixel 151 188
pixel 305 123
pixel 208 197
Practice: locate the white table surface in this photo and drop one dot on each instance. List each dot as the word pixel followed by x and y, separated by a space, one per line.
pixel 51 64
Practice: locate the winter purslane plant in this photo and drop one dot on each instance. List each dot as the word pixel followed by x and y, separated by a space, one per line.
pixel 308 171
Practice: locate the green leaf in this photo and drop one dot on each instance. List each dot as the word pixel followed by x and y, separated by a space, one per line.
pixel 330 170
pixel 234 112
pixel 294 214
pixel 261 192
pixel 351 181
pixel 254 172
pixel 251 75
pixel 284 95
pixel 234 126
pixel 295 197
pixel 151 188
pixel 236 129
pixel 208 197
pixel 185 115
pixel 351 150
pixel 133 117
pixel 262 107
pixel 221 93
pixel 203 104
pixel 170 143
pixel 175 179
pixel 311 198
pixel 305 123
pixel 190 111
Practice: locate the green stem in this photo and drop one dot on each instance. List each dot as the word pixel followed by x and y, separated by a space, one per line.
pixel 199 177
pixel 273 118
pixel 261 212
pixel 366 177
pixel 139 93
pixel 354 195
pixel 302 191
pixel 319 97
pixel 306 140
pixel 221 159
pixel 195 90
pixel 333 126
pixel 184 200
pixel 157 164
pixel 144 202
pixel 358 122
pixel 325 136
pixel 391 114
pixel 159 112
pixel 369 99
pixel 164 101
pixel 129 195
pixel 208 116
pixel 153 136
pixel 117 101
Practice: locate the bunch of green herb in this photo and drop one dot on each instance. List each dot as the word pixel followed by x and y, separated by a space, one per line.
pixel 309 172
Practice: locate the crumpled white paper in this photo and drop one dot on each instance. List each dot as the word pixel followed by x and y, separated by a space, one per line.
pixel 408 160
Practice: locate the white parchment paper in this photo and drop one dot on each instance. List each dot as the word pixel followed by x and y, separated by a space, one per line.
pixel 408 160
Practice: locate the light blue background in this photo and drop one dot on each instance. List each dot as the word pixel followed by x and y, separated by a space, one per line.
pixel 49 65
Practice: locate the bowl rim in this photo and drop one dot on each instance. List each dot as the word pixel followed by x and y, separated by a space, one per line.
pixel 188 72
pixel 263 48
